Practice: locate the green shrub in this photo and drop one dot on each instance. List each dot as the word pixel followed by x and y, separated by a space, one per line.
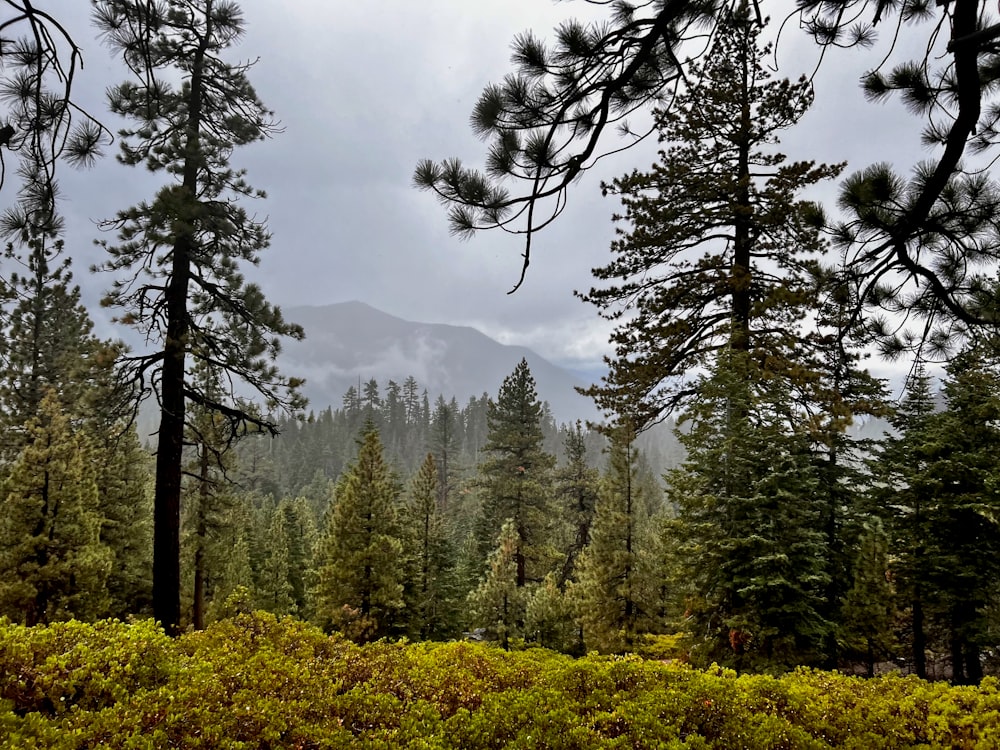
pixel 257 681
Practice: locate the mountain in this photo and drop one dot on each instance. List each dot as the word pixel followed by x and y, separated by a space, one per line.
pixel 351 342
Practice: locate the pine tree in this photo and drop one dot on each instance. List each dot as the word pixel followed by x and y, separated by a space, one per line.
pixel 54 565
pixel 275 593
pixel 720 251
pixel 430 589
pixel 499 604
pixel 610 591
pixel 516 476
pixel 44 124
pixel 549 619
pixel 359 589
pixel 920 244
pixel 179 255
pixel 576 484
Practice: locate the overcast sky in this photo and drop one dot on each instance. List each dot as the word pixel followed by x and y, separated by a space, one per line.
pixel 365 90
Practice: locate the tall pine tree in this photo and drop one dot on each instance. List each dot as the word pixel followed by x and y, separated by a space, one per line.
pixel 516 476
pixel 179 255
pixel 719 250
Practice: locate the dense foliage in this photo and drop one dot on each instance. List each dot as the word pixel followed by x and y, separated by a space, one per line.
pixel 257 682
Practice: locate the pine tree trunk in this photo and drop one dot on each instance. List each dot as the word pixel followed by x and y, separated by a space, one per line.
pixel 170 450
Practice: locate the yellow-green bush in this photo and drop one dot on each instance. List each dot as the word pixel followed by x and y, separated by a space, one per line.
pixel 259 682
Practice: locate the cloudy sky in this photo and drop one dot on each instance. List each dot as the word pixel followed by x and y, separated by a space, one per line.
pixel 365 90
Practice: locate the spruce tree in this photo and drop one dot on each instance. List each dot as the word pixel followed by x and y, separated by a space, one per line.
pixel 516 476
pixel 359 589
pixel 179 256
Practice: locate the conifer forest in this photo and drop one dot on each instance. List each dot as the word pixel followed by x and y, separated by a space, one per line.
pixel 756 513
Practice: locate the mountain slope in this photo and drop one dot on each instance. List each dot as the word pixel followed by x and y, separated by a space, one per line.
pixel 350 342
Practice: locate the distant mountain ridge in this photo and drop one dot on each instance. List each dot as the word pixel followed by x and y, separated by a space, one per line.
pixel 351 342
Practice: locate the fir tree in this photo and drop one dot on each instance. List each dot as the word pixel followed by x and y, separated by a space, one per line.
pixel 125 492
pixel 274 592
pixel 962 554
pixel 753 556
pixel 905 503
pixel 516 476
pixel 359 588
pixel 48 346
pixel 429 590
pixel 869 605
pixel 576 484
pixel 54 565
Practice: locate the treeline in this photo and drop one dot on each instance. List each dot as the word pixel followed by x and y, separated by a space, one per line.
pixel 771 544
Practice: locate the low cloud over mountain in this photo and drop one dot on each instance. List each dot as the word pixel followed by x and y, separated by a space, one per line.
pixel 351 342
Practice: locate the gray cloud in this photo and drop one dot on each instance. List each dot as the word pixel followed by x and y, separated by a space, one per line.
pixel 364 90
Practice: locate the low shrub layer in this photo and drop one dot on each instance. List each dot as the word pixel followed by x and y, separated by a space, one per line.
pixel 260 682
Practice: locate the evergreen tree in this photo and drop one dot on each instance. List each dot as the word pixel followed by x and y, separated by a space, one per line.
pixel 551 119
pixel 359 589
pixel 961 552
pixel 549 619
pixel 751 548
pixel 125 492
pixel 180 254
pixel 499 604
pixel 869 605
pixel 516 476
pixel 720 251
pixel 236 578
pixel 48 346
pixel 610 591
pixel 905 503
pixel 54 565
pixel 275 592
pixel 43 123
pixel 302 535
pixel 429 590
pixel 577 486
pixel 444 442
